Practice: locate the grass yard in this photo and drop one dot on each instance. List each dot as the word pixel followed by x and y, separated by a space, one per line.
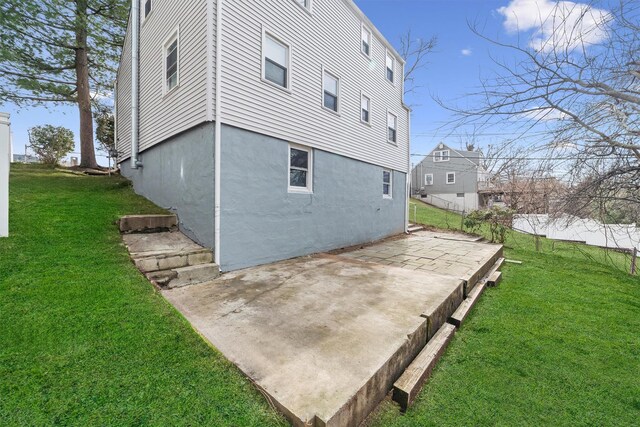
pixel 557 343
pixel 84 338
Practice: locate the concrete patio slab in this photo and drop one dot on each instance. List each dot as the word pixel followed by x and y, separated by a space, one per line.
pixel 326 336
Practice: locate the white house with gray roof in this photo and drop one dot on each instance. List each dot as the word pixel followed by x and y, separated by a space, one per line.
pixel 450 178
pixel 274 129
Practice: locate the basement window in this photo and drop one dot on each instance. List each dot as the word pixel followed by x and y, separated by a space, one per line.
pixel 147 8
pixel 300 169
pixel 305 4
pixel 387 183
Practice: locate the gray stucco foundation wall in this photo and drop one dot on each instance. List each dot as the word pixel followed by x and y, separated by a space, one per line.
pixel 262 222
pixel 177 174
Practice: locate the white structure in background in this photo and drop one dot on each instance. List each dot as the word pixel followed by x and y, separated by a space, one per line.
pixel 5 160
pixel 573 229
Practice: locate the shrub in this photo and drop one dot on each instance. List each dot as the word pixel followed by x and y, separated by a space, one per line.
pixel 51 143
pixel 498 219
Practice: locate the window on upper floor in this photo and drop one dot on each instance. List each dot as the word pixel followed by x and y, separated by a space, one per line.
pixel 441 156
pixel 300 169
pixel 276 61
pixel 387 184
pixel 365 109
pixel 172 63
pixel 147 8
pixel 366 41
pixel 451 177
pixel 330 91
pixel 305 4
pixel 428 179
pixel 391 64
pixel 392 125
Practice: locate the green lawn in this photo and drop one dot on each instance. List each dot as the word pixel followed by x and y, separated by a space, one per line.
pixel 557 343
pixel 84 338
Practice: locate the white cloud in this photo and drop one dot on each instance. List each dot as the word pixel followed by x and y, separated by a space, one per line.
pixel 544 114
pixel 556 25
pixel 466 52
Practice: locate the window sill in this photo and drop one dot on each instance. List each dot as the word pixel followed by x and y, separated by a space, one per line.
pixel 329 110
pixel 365 123
pixel 308 10
pixel 145 18
pixel 367 57
pixel 295 190
pixel 387 197
pixel 168 93
pixel 394 143
pixel 275 85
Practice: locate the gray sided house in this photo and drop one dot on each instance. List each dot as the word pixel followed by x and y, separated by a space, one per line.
pixel 450 178
pixel 273 129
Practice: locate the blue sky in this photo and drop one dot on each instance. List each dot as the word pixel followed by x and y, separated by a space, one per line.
pixel 453 69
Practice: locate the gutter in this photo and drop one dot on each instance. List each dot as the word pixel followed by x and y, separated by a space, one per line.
pixel 135 76
pixel 218 131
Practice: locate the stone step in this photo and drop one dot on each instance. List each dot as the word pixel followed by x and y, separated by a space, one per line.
pixel 407 387
pixel 166 261
pixel 413 228
pixel 463 311
pixel 494 279
pixel 185 276
pixel 147 223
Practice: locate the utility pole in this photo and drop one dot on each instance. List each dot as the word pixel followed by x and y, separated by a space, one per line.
pixel 5 161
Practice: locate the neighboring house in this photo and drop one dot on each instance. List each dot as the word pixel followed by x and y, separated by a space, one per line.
pixel 450 178
pixel 273 129
pixel 525 195
pixel 22 158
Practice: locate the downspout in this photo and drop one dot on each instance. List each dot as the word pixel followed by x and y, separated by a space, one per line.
pixel 408 184
pixel 115 127
pixel 135 76
pixel 217 131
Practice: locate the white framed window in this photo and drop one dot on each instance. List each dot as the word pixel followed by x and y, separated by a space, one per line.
pixel 330 91
pixel 441 156
pixel 390 68
pixel 387 183
pixel 305 4
pixel 365 45
pixel 276 61
pixel 392 127
pixel 147 6
pixel 365 109
pixel 451 177
pixel 300 179
pixel 428 179
pixel 171 60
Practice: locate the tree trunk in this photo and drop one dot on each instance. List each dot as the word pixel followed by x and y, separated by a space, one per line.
pixel 87 151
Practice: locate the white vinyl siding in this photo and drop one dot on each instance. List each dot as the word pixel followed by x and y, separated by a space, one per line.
pixel 387 183
pixel 276 57
pixel 162 117
pixel 123 98
pixel 296 116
